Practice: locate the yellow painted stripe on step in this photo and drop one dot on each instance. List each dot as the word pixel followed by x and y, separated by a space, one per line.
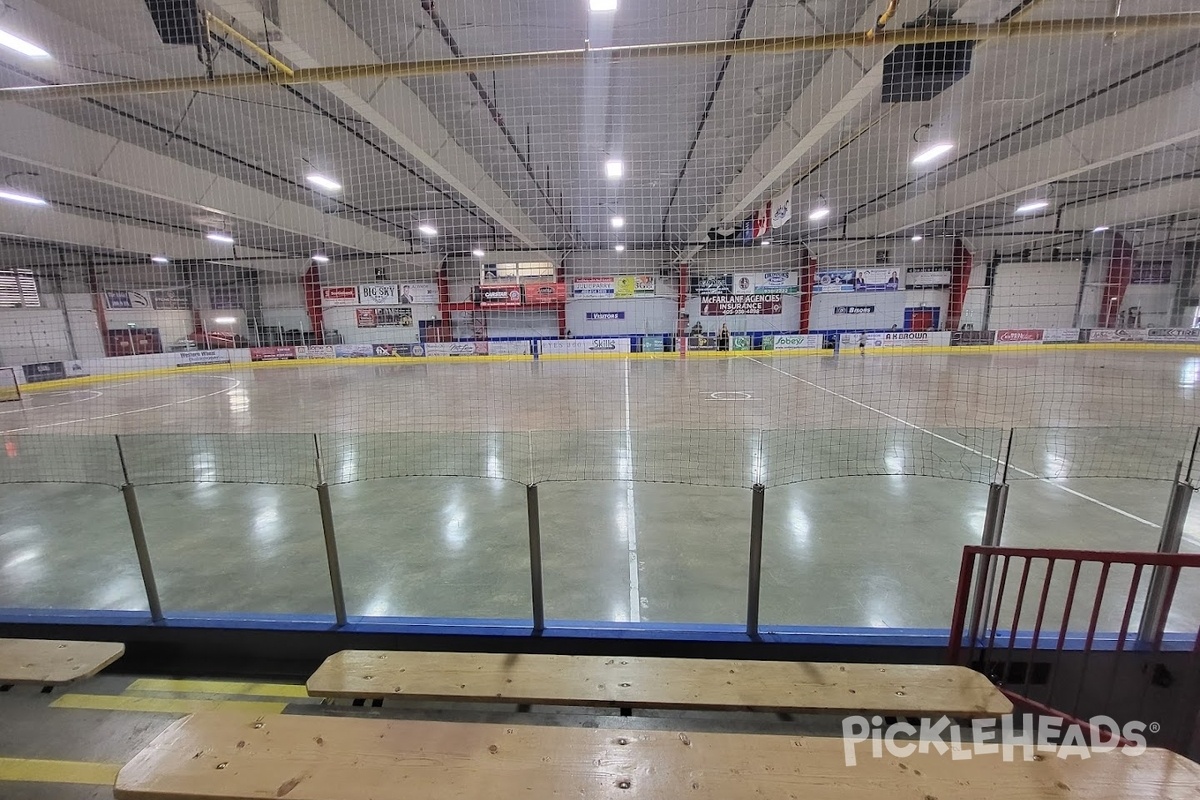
pixel 36 770
pixel 158 705
pixel 231 688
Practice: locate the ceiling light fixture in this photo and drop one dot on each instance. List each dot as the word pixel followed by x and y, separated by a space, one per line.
pixel 932 152
pixel 766 242
pixel 217 236
pixel 603 5
pixel 160 259
pixel 618 222
pixel 478 252
pixel 322 182
pixel 21 46
pixel 320 258
pixel 819 213
pixel 614 169
pixel 225 320
pixel 1033 205
pixel 917 237
pixel 427 230
pixel 619 248
pixel 1100 229
pixel 27 199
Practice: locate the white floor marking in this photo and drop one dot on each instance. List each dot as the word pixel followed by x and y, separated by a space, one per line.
pixel 999 461
pixel 94 394
pixel 635 584
pixel 236 383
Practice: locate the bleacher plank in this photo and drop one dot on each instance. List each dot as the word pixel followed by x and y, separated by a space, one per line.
pixel 49 662
pixel 668 683
pixel 216 756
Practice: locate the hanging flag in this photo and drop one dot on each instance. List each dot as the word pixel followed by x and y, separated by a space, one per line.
pixel 781 208
pixel 762 220
pixel 748 229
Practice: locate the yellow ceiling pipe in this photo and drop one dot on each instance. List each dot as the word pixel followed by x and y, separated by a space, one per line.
pixel 565 58
pixel 212 21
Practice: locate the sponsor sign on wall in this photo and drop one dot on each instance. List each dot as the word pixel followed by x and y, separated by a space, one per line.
pixel 539 293
pixel 1151 272
pixel 1060 336
pixel 418 294
pixel 854 309
pixel 602 316
pixel 499 296
pixel 1173 334
pixel 809 341
pixel 921 278
pixel 397 350
pixel 316 351
pixel 172 299
pixel 76 369
pixel 456 349
pixel 877 280
pixel 712 284
pixel 1116 335
pixel 654 344
pixel 522 348
pixel 190 358
pixel 973 338
pixel 898 339
pixel 272 353
pixel 339 296
pixel 378 294
pixel 400 316
pixel 591 346
pixel 1019 336
pixel 353 350
pixel 127 300
pixel 44 371
pixel 834 280
pixel 614 286
pixel 766 283
pixel 740 305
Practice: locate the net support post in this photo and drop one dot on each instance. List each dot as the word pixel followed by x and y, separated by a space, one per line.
pixel 139 537
pixel 1154 613
pixel 330 535
pixel 754 584
pixel 993 529
pixel 535 559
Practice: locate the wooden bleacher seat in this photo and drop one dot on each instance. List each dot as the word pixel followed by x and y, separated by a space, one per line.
pixel 48 662
pixel 215 756
pixel 673 683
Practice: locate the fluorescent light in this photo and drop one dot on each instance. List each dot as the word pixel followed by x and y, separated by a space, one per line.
pixel 160 259
pixel 427 230
pixel 1100 229
pixel 321 181
pixel 603 5
pixel 320 258
pixel 1034 205
pixel 618 222
pixel 932 152
pixel 217 236
pixel 224 320
pixel 21 46
pixel 28 199
pixel 766 242
pixel 619 248
pixel 917 237
pixel 614 169
pixel 478 253
pixel 819 213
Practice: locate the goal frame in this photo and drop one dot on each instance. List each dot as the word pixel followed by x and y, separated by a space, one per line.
pixel 16 384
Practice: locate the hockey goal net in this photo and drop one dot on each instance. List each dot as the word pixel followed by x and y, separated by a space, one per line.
pixel 9 388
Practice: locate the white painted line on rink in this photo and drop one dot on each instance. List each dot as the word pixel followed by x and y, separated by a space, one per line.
pixel 635 584
pixel 29 410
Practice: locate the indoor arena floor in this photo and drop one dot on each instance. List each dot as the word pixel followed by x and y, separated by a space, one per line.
pixel 876 472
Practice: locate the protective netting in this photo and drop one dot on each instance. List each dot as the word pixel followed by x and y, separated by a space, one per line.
pixel 766 257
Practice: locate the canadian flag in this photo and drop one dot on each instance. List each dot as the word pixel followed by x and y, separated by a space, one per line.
pixel 762 220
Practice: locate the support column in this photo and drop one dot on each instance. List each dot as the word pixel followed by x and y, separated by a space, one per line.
pixel 139 539
pixel 808 280
pixel 754 585
pixel 1116 281
pixel 960 279
pixel 535 558
pixel 1163 579
pixel 327 529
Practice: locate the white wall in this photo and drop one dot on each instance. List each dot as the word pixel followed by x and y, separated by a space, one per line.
pixel 642 315
pixel 172 325
pixel 30 335
pixel 1035 295
pixel 523 324
pixel 889 308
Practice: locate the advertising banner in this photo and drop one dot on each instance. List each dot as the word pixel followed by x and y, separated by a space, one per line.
pixel 353 350
pixel 834 280
pixel 378 294
pixel 510 348
pixel 365 318
pixel 602 316
pixel 456 348
pixel 508 296
pixel 339 296
pixel 76 369
pixel 854 309
pixel 740 342
pixel 593 287
pixel 172 299
pixel 1060 336
pixel 1019 336
pixel 398 350
pixel 973 338
pixel 191 358
pixel 712 284
pixel 44 371
pixel 316 351
pixel 654 344
pixel 766 283
pixel 808 341
pixel 119 300
pixel 1151 272
pixel 272 354
pixel 538 293
pixel 418 294
pixel 877 280
pixel 633 285
pixel 1101 335
pixel 897 339
pixel 1173 334
pixel 740 305
pixel 400 316
pixel 927 278
pixel 576 346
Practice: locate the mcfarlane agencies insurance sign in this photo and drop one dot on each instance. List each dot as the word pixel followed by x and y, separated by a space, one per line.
pixel 740 305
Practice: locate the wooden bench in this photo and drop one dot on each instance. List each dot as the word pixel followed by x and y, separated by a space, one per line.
pixel 215 756
pixel 670 683
pixel 48 662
